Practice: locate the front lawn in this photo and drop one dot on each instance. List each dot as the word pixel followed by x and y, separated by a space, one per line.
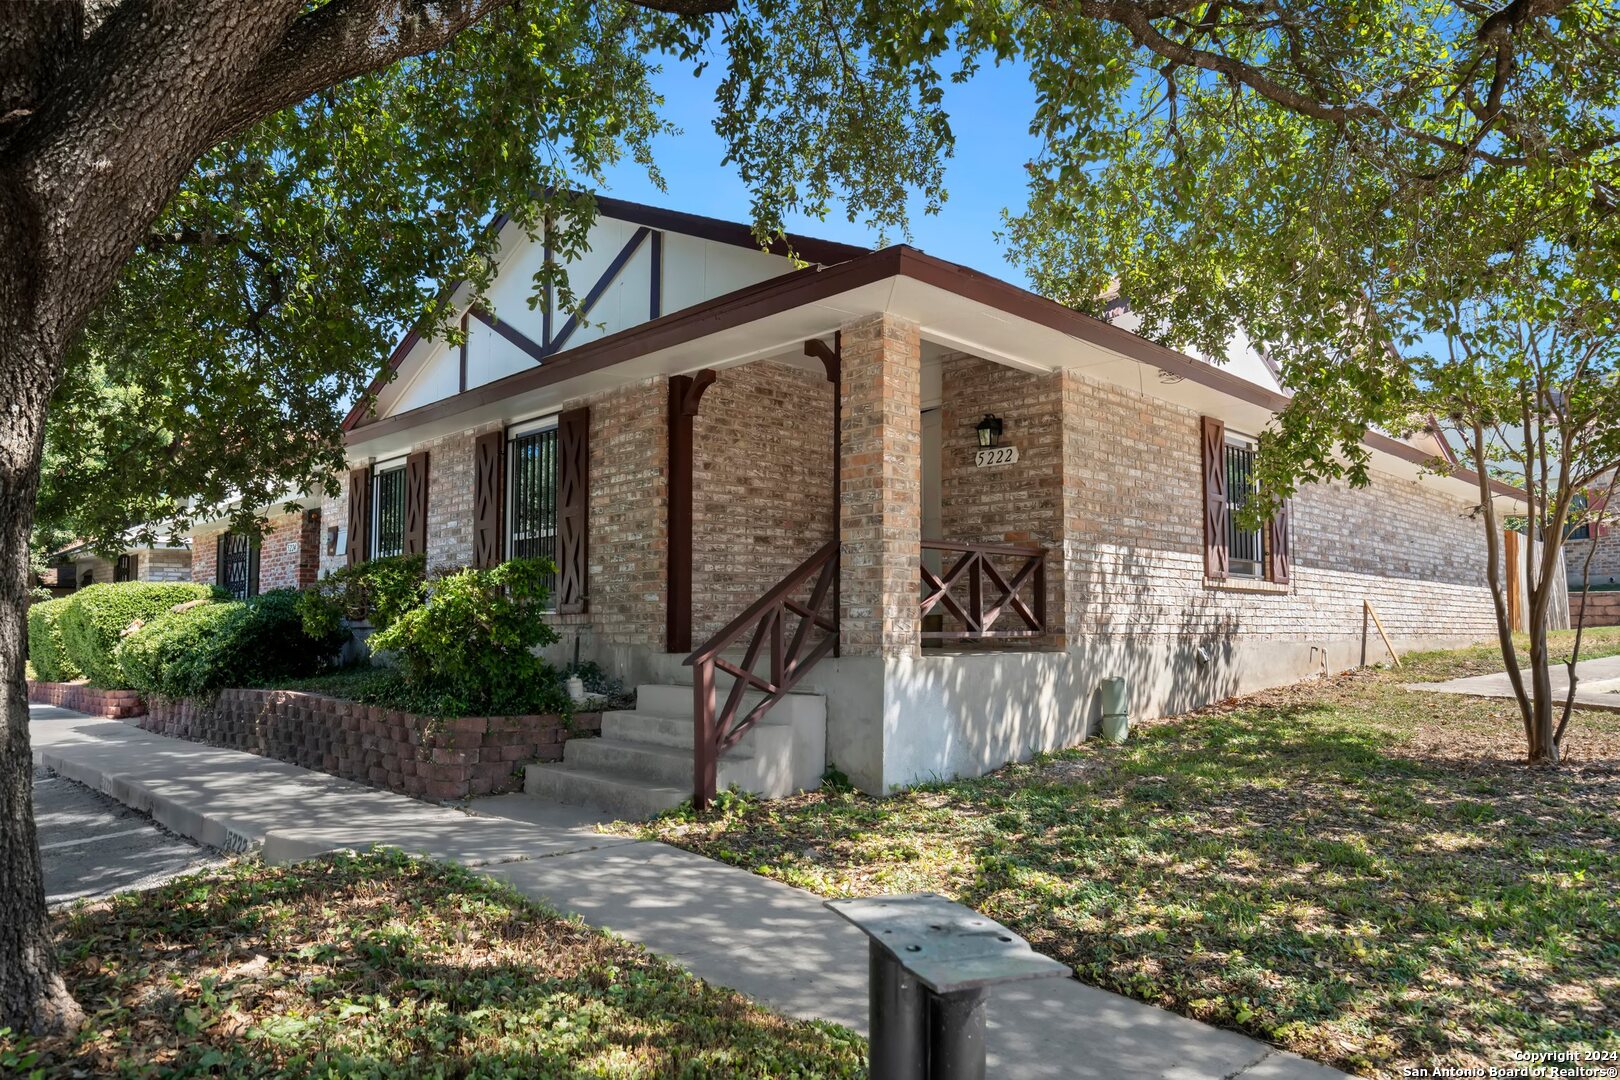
pixel 383 966
pixel 1360 873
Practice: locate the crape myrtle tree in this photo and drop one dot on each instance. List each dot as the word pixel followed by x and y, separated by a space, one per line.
pixel 1412 207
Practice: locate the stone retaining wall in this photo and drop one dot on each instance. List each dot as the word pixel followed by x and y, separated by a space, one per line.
pixel 1602 608
pixel 387 748
pixel 82 697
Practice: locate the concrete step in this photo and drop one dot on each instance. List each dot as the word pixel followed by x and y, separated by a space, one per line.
pixel 625 797
pixel 669 765
pixel 664 699
pixel 770 735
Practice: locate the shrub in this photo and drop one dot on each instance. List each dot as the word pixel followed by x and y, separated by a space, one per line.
pixel 472 642
pixel 380 590
pixel 97 616
pixel 45 649
pixel 199 651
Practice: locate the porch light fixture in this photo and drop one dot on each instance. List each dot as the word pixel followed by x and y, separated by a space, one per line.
pixel 989 430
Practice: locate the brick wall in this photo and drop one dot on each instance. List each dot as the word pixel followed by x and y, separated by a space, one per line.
pixel 1021 502
pixel 1134 540
pixel 629 504
pixel 762 501
pixel 881 496
pixel 1602 608
pixel 399 751
pixel 82 697
pixel 1605 561
pixel 164 565
pixel 288 551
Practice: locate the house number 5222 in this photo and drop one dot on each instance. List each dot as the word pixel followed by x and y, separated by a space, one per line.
pixel 999 455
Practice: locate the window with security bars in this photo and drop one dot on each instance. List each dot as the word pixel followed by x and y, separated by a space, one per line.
pixel 388 512
pixel 237 566
pixel 1246 547
pixel 532 506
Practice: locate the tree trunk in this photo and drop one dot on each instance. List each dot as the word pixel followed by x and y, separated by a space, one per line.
pixel 32 994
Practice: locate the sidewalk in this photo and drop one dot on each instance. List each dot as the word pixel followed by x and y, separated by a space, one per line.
pixel 1597 684
pixel 733 928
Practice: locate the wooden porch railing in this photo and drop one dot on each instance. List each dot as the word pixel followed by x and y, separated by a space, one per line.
pixel 977 613
pixel 716 731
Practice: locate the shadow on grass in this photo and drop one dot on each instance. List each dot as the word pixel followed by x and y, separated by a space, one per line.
pixel 1273 868
pixel 380 965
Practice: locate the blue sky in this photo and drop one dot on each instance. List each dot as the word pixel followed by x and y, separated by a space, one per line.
pixel 990 116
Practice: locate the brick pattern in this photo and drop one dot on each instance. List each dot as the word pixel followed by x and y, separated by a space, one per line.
pixel 1017 503
pixel 450 499
pixel 881 496
pixel 386 748
pixel 1133 540
pixel 763 499
pixel 1605 561
pixel 1602 609
pixel 629 513
pixel 82 697
pixel 288 553
pixel 164 565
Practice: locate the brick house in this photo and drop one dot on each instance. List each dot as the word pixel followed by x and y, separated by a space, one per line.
pixel 925 511
pixel 287 556
pixel 1592 553
pixel 77 565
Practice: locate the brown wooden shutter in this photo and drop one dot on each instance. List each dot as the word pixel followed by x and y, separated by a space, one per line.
pixel 416 503
pixel 359 547
pixel 1279 554
pixel 573 509
pixel 1217 510
pixel 489 498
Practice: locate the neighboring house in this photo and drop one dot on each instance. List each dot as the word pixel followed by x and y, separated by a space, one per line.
pixel 1596 539
pixel 1002 502
pixel 287 556
pixel 77 565
pixel 1592 558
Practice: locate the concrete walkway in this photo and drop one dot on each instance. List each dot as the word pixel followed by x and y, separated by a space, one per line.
pixel 773 942
pixel 1597 684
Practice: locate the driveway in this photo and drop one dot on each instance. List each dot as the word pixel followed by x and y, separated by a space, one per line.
pixel 92 846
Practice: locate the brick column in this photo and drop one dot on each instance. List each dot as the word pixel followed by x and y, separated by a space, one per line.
pixel 881 487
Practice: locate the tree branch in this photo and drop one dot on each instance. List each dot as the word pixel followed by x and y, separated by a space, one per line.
pixel 346 38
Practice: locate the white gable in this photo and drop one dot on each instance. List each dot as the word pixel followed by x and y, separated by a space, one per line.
pixel 635 273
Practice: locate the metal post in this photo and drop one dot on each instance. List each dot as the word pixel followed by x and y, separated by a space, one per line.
pixel 897 1042
pixel 932 963
pixel 956 1035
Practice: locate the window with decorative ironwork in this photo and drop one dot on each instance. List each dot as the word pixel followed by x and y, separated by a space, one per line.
pixel 1246 546
pixel 125 568
pixel 531 512
pixel 388 510
pixel 236 567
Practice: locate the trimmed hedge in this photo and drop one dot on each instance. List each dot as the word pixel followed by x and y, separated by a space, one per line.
pixel 45 648
pixel 96 617
pixel 202 650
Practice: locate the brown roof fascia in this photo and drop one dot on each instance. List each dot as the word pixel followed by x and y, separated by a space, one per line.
pixel 1009 298
pixel 737 308
pixel 817 283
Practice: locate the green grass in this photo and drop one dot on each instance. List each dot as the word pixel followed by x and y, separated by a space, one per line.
pixel 1360 873
pixel 383 966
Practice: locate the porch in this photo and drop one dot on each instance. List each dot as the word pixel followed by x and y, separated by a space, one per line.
pixel 831 535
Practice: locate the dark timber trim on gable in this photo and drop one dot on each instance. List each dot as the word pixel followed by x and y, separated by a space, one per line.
pixel 656 218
